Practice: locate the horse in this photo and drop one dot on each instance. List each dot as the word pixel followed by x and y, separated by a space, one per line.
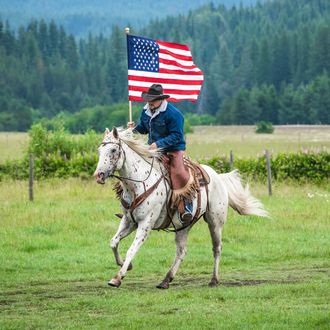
pixel 145 196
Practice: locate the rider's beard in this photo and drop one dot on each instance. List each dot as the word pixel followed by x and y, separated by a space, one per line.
pixel 153 108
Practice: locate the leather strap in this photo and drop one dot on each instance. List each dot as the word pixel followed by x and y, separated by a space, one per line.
pixel 140 199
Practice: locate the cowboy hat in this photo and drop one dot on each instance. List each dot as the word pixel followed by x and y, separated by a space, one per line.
pixel 155 92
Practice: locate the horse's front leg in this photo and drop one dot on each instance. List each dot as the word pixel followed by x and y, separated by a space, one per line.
pixel 142 233
pixel 181 250
pixel 125 228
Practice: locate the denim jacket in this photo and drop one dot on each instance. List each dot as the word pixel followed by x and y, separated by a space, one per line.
pixel 165 127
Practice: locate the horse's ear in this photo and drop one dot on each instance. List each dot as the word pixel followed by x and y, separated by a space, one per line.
pixel 106 132
pixel 115 133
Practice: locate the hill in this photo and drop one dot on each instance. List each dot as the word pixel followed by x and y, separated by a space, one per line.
pixel 80 17
pixel 269 62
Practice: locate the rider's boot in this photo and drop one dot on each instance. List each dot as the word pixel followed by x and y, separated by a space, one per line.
pixel 186 216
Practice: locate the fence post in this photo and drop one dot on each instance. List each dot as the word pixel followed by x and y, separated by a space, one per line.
pixel 269 173
pixel 231 160
pixel 31 178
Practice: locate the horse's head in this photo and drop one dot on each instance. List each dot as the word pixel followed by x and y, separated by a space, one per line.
pixel 110 156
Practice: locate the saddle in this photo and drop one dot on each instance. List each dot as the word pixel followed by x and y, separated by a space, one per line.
pixel 198 178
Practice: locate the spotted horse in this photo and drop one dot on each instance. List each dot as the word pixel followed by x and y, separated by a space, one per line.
pixel 145 198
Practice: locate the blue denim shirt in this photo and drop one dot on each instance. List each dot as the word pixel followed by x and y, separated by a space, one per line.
pixel 165 127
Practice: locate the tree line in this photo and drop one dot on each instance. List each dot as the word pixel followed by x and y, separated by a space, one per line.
pixel 267 62
pixel 95 16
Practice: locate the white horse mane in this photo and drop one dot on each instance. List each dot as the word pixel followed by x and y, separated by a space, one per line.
pixel 138 145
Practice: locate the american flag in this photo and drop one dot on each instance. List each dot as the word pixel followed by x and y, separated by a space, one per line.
pixel 166 63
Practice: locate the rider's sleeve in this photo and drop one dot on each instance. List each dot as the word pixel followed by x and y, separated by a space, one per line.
pixel 175 127
pixel 141 126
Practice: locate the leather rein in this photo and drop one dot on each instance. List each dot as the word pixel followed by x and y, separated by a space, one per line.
pixel 137 200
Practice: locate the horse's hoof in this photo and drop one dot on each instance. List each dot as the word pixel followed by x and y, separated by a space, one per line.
pixel 214 282
pixel 163 285
pixel 115 282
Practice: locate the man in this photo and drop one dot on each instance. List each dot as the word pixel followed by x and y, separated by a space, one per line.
pixel 164 125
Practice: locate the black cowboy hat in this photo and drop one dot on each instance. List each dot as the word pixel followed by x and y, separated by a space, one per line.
pixel 155 92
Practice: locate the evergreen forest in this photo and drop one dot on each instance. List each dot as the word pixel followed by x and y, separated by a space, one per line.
pixel 269 62
pixel 80 17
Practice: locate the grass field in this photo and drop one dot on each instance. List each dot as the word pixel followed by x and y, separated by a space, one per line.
pixel 210 141
pixel 275 273
pixel 12 145
pixel 55 263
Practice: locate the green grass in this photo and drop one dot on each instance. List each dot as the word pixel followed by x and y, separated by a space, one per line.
pixel 12 145
pixel 55 263
pixel 210 141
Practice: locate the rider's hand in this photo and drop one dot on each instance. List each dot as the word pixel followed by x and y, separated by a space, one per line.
pixel 153 146
pixel 130 124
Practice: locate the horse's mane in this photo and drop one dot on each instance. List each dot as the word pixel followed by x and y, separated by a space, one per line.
pixel 138 145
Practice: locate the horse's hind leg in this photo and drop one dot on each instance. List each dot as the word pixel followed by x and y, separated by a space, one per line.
pixel 125 228
pixel 181 250
pixel 215 228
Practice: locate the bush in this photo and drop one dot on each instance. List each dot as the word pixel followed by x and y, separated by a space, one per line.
pixel 198 120
pixel 59 154
pixel 187 127
pixel 264 127
pixel 302 166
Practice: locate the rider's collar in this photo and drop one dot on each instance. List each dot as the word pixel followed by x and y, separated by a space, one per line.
pixel 161 108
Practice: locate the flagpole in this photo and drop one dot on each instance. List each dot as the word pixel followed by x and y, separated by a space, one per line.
pixel 129 102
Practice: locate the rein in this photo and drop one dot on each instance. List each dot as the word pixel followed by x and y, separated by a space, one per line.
pixel 137 200
pixel 122 178
pixel 147 192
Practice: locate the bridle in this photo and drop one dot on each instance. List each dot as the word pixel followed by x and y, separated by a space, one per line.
pixel 121 150
pixel 137 200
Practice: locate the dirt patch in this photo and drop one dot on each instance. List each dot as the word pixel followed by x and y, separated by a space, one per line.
pixel 244 282
pixel 7 302
pixel 255 282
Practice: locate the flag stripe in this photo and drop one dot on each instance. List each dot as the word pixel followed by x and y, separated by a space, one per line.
pixel 167 53
pixel 142 74
pixel 165 68
pixel 168 90
pixel 172 45
pixel 172 98
pixel 157 80
pixel 159 62
pixel 177 63
pixel 145 85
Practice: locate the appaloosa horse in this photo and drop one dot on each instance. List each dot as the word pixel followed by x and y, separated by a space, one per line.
pixel 145 195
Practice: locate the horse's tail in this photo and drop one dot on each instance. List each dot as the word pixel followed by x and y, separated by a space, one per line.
pixel 240 198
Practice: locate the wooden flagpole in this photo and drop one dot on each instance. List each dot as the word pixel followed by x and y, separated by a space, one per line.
pixel 129 102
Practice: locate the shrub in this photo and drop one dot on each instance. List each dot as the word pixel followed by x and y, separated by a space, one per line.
pixel 187 127
pixel 59 154
pixel 264 127
pixel 197 119
pixel 302 166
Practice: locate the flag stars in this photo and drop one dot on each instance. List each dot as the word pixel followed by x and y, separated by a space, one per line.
pixel 145 54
